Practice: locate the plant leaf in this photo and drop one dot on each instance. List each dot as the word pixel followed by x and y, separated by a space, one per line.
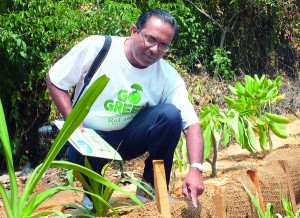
pixel 11 202
pixel 251 135
pixel 207 141
pixel 263 137
pixel 256 203
pixel 72 122
pixel 40 198
pixel 5 198
pixel 95 176
pixel 226 136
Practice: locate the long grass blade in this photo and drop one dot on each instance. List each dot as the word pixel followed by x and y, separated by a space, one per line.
pixel 4 138
pixel 46 213
pixel 256 203
pixel 72 122
pixel 38 199
pixel 5 198
pixel 95 176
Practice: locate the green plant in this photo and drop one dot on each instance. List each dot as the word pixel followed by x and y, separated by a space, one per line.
pixel 101 193
pixel 246 115
pixel 33 35
pixel 181 155
pixel 218 128
pixel 222 64
pixel 269 211
pixel 287 206
pixel 253 102
pixel 24 206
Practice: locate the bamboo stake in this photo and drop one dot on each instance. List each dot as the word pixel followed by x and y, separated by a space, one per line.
pixel 254 177
pixel 161 190
pixel 286 169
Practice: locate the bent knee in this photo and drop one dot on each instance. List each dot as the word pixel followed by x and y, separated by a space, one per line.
pixel 172 113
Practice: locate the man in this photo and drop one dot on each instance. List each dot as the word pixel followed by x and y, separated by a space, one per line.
pixel 145 105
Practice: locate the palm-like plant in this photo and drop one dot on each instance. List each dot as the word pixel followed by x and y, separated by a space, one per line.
pixel 24 206
pixel 246 115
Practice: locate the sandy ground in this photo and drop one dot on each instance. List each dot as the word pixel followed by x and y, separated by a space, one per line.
pixel 230 158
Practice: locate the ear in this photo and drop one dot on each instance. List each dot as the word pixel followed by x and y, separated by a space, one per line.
pixel 133 31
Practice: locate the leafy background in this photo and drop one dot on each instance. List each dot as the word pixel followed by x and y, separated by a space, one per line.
pixel 219 40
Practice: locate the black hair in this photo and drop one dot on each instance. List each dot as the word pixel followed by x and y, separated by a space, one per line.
pixel 162 15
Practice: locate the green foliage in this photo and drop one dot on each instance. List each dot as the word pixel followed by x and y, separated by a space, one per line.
pixel 213 126
pixel 253 101
pixel 24 206
pixel 101 193
pixel 269 211
pixel 257 33
pixel 269 208
pixel 192 45
pixel 246 116
pixel 218 128
pixel 33 35
pixel 222 64
pixel 180 159
pixel 287 206
pixel 257 94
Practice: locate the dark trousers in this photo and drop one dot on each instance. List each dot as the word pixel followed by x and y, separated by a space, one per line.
pixel 155 130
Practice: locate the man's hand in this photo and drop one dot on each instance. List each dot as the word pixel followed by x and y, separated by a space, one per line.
pixel 193 185
pixel 80 127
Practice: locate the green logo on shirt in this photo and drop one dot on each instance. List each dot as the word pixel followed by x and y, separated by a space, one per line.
pixel 127 101
pixel 135 97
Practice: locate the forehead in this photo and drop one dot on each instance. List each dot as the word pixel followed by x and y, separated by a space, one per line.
pixel 159 29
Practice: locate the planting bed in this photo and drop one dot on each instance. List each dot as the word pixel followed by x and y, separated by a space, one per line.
pixel 224 196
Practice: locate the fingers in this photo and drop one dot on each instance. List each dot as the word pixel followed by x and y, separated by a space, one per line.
pixel 80 127
pixel 193 186
pixel 190 193
pixel 194 196
pixel 186 191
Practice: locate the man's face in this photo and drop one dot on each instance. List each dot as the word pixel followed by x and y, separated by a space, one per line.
pixel 151 43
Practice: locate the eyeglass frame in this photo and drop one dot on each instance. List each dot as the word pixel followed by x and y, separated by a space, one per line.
pixel 162 47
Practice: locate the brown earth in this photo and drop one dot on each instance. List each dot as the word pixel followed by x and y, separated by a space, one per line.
pixel 232 161
pixel 232 165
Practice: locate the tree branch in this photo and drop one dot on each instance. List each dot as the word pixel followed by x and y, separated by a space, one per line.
pixel 206 15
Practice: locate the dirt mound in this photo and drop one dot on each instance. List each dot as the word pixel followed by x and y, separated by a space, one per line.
pixel 223 197
pixel 226 197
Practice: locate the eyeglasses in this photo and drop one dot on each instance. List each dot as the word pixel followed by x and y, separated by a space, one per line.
pixel 162 47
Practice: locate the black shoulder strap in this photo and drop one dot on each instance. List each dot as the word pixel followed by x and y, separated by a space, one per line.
pixel 95 65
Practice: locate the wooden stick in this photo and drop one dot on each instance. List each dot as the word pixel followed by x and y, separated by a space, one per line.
pixel 161 191
pixel 286 169
pixel 254 177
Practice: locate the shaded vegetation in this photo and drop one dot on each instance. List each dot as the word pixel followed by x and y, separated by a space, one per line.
pixel 223 38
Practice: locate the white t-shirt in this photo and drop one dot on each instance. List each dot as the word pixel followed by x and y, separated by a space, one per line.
pixel 129 90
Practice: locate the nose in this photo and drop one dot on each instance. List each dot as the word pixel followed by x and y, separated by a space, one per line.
pixel 154 49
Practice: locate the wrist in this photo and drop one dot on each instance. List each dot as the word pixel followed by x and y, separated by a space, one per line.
pixel 198 166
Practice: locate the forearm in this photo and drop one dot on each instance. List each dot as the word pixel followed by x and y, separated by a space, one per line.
pixel 60 98
pixel 193 183
pixel 194 142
